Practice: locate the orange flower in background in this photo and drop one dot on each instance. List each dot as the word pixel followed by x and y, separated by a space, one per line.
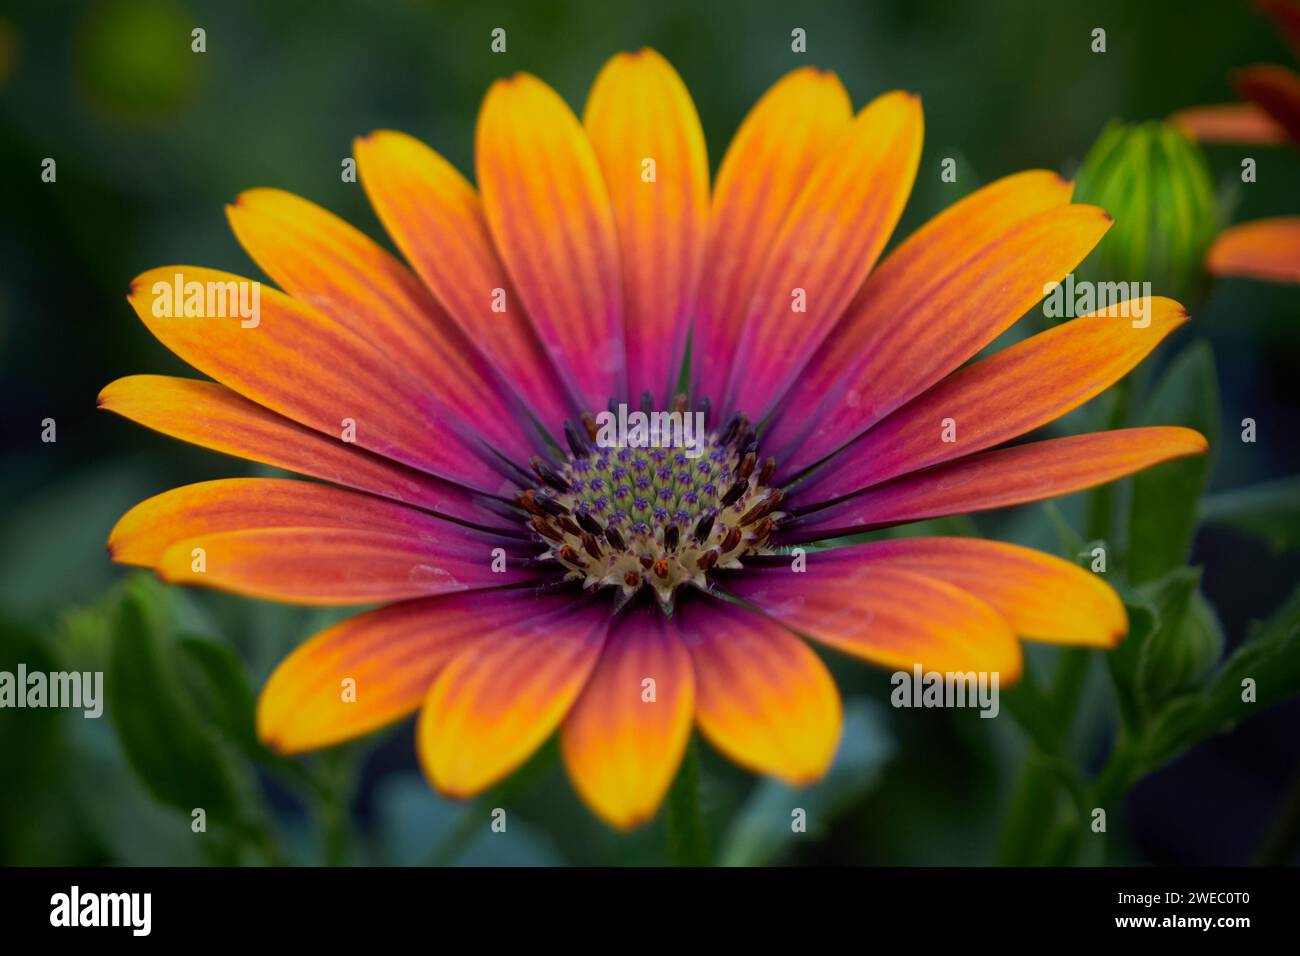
pixel 536 577
pixel 1267 249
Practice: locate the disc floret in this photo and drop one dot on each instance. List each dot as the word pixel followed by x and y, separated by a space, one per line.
pixel 653 513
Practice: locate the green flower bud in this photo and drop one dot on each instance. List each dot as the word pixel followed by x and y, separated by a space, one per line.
pixel 1155 184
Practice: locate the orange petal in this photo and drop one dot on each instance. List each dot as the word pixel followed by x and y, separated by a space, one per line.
pixel 1002 397
pixel 550 215
pixel 436 220
pixel 1267 249
pixel 295 360
pixel 791 128
pixel 1043 597
pixel 625 737
pixel 1276 90
pixel 213 416
pixel 494 704
pixel 946 293
pixel 318 258
pixel 1243 123
pixel 890 617
pixel 998 479
pixel 828 243
pixel 640 110
pixel 307 543
pixel 391 657
pixel 762 696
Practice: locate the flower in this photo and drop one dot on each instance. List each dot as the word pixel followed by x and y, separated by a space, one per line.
pixel 534 580
pixel 1265 249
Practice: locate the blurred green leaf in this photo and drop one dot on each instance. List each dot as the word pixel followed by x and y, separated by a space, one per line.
pixel 169 742
pixel 1269 511
pixel 762 829
pixel 1162 518
pixel 413 821
pixel 214 678
pixel 1174 640
pixel 1270 658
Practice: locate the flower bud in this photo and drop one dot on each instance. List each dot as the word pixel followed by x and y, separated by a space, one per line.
pixel 1155 184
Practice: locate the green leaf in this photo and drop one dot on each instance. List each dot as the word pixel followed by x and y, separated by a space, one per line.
pixel 169 742
pixel 762 828
pixel 1174 640
pixel 1269 658
pixel 1162 519
pixel 214 677
pixel 1270 511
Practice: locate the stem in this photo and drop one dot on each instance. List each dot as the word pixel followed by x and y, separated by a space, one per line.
pixel 1282 840
pixel 688 843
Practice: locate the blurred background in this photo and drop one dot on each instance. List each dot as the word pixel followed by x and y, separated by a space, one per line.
pixel 152 139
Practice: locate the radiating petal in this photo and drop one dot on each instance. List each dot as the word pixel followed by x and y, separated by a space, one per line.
pixel 829 241
pixel 436 220
pixel 788 132
pixel 624 738
pixel 1276 90
pixel 1002 397
pixel 319 259
pixel 307 543
pixel 1043 597
pixel 1232 123
pixel 640 110
pixel 890 617
pixel 495 703
pixel 762 696
pixel 213 416
pixel 390 656
pixel 947 292
pixel 295 360
pixel 550 215
pixel 1267 249
pixel 1001 478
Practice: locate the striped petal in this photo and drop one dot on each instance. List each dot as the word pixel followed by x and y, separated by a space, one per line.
pixel 1276 90
pixel 295 360
pixel 1231 123
pixel 828 243
pixel 1267 249
pixel 762 696
pixel 1000 398
pixel 640 110
pixel 625 737
pixel 890 617
pixel 390 656
pixel 788 132
pixel 1042 597
pixel 436 220
pixel 550 215
pixel 320 259
pixel 947 292
pixel 496 702
pixel 212 416
pixel 1001 478
pixel 306 543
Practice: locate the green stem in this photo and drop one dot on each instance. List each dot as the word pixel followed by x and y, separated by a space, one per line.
pixel 1284 837
pixel 688 842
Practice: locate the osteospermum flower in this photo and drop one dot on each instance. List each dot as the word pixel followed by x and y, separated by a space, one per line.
pixel 535 579
pixel 1268 115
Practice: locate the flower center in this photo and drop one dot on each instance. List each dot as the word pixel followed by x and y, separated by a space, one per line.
pixel 645 500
